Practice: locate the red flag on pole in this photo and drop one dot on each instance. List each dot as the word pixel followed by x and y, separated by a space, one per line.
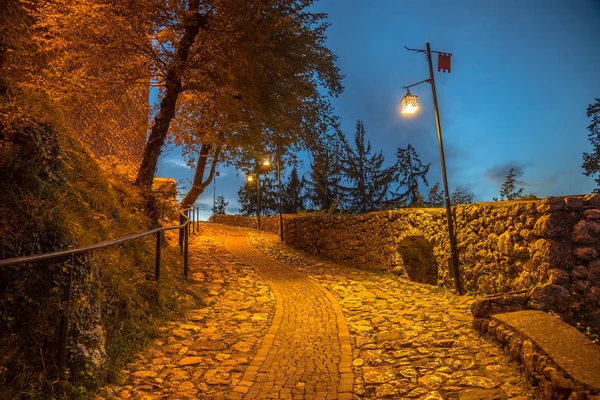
pixel 444 62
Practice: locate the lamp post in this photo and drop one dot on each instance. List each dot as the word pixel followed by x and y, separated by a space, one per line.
pixel 280 196
pixel 264 166
pixel 409 105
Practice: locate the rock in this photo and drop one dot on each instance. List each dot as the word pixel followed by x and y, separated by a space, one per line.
pixel 430 381
pixel 586 253
pixel 478 381
pixel 592 213
pixel 549 297
pixel 386 390
pixel 586 232
pixel 189 361
pixel 145 374
pixel 208 345
pixel 482 394
pixel 580 272
pixel 378 374
pixel 388 336
pixel 558 277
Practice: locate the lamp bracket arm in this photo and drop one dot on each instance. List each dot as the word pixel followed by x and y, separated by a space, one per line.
pixel 418 83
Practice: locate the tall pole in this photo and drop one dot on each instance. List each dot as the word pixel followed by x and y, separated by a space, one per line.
pixel 279 183
pixel 215 196
pixel 258 198
pixel 451 233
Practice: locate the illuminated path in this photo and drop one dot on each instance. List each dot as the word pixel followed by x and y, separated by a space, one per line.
pixel 306 352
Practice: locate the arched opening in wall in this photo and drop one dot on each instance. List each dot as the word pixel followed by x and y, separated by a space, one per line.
pixel 418 259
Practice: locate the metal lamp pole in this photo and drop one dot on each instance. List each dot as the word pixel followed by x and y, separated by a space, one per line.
pixel 449 217
pixel 280 197
pixel 410 103
pixel 258 198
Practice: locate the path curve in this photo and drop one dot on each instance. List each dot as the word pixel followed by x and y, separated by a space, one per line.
pixel 306 352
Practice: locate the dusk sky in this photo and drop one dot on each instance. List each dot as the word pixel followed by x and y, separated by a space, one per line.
pixel 523 74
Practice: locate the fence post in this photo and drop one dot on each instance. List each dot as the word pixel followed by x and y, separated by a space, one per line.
pixel 64 320
pixel 180 233
pixel 198 219
pixel 193 226
pixel 158 250
pixel 185 251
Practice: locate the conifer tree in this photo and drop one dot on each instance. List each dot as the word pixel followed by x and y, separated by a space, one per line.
pixel 435 197
pixel 293 196
pixel 220 207
pixel 508 190
pixel 324 184
pixel 409 170
pixel 268 196
pixel 461 195
pixel 591 161
pixel 369 181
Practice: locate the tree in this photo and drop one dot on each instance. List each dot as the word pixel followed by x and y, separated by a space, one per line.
pixel 591 161
pixel 220 206
pixel 259 65
pixel 461 195
pixel 293 196
pixel 409 170
pixel 508 190
pixel 369 181
pixel 435 198
pixel 324 184
pixel 268 196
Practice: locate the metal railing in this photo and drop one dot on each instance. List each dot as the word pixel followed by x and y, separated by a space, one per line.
pixel 185 222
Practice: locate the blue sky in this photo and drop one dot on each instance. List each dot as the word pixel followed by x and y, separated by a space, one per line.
pixel 523 74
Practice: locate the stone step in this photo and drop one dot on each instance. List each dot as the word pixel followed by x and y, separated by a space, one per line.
pixel 557 358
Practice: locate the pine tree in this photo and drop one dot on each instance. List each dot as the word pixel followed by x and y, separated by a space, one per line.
pixel 220 206
pixel 461 195
pixel 293 196
pixel 369 181
pixel 435 197
pixel 409 170
pixel 268 196
pixel 591 161
pixel 508 190
pixel 324 184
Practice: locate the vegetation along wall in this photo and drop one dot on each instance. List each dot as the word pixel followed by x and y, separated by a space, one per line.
pixel 551 245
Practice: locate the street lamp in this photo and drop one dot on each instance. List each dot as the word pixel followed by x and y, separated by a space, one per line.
pixel 409 105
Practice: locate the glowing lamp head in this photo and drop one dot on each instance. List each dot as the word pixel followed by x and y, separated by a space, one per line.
pixel 266 162
pixel 250 178
pixel 409 103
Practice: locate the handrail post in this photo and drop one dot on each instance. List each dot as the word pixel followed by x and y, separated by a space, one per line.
pixel 64 320
pixel 193 226
pixel 185 251
pixel 180 233
pixel 158 251
pixel 198 219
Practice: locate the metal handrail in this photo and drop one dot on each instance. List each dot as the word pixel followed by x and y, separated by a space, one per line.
pixel 184 233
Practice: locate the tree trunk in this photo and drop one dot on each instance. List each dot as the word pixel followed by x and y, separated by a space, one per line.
pixel 160 126
pixel 198 185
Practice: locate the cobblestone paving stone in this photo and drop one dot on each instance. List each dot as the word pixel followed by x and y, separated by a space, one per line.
pixel 409 340
pixel 204 355
pixel 306 352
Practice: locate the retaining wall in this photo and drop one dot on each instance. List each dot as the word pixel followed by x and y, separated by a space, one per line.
pixel 551 245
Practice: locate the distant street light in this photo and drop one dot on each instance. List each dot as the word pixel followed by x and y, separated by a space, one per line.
pixel 409 105
pixel 264 166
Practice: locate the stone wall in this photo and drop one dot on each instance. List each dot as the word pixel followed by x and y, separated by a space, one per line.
pixel 551 245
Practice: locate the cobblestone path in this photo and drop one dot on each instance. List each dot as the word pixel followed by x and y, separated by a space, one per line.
pixel 409 340
pixel 306 352
pixel 277 323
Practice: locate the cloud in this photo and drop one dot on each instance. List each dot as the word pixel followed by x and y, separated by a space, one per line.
pixel 498 174
pixel 177 162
